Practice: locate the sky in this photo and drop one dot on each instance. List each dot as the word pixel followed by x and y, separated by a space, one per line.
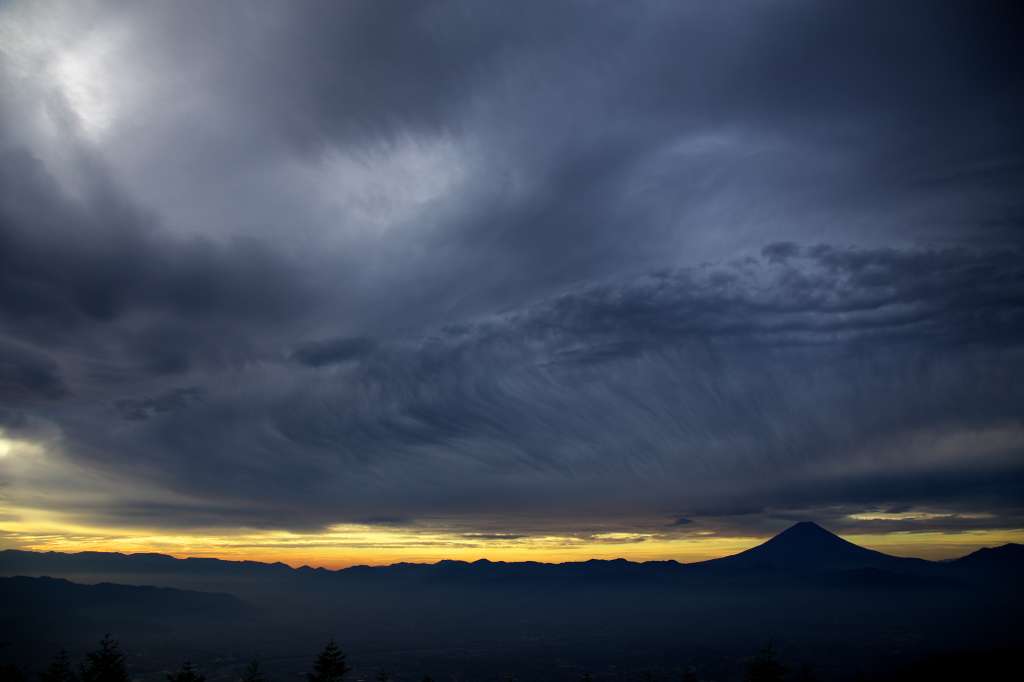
pixel 363 282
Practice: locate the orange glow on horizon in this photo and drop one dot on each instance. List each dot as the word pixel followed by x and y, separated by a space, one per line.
pixel 346 547
pixel 352 545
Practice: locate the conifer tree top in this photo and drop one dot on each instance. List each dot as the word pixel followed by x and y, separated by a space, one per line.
pixel 329 665
pixel 106 664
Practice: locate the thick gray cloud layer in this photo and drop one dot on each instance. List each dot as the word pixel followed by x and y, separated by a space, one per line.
pixel 310 263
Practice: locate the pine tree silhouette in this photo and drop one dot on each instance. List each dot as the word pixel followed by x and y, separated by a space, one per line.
pixel 805 675
pixel 12 672
pixel 60 670
pixel 329 665
pixel 383 676
pixel 186 674
pixel 766 668
pixel 687 675
pixel 253 674
pixel 107 664
pixel 586 677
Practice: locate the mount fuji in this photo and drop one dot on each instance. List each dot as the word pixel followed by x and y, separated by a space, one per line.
pixel 806 544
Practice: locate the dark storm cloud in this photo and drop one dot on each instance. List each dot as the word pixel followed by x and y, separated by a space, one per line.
pixel 928 296
pixel 27 376
pixel 169 401
pixel 359 70
pixel 376 262
pixel 863 378
pixel 320 353
pixel 95 271
pixel 614 138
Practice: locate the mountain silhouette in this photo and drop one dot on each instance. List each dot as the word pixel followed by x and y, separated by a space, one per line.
pixel 806 544
pixel 803 546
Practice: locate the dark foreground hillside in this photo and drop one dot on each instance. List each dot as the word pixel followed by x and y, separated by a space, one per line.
pixel 482 632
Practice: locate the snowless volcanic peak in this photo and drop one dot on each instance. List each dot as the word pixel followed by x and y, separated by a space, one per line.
pixel 807 544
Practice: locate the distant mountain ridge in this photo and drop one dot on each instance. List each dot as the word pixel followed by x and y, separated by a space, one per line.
pixel 47 607
pixel 31 593
pixel 791 554
pixel 807 544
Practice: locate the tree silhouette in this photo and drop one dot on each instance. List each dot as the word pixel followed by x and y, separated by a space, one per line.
pixel 60 670
pixel 687 675
pixel 765 668
pixel 586 677
pixel 383 676
pixel 649 676
pixel 329 665
pixel 186 674
pixel 12 672
pixel 805 675
pixel 107 664
pixel 253 674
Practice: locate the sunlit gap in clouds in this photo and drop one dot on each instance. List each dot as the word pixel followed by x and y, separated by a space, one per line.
pixel 91 77
pixel 80 69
